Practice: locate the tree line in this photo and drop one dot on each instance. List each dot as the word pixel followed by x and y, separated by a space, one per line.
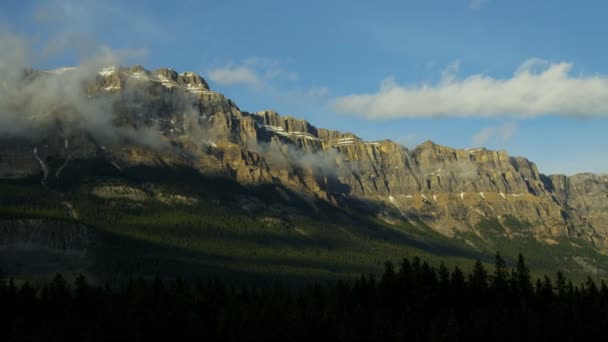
pixel 412 301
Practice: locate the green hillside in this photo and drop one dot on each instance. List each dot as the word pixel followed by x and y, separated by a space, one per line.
pixel 172 222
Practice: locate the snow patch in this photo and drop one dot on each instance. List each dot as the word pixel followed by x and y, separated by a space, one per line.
pixel 210 143
pixel 140 75
pixel 197 89
pixel 346 141
pixel 295 134
pixel 105 72
pixel 166 82
pixel 45 171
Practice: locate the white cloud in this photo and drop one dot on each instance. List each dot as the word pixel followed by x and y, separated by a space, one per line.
pixel 237 75
pixel 537 88
pixel 499 135
pixel 272 83
pixel 255 72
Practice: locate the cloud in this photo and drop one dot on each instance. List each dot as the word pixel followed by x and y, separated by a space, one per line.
pixel 482 137
pixel 410 140
pixel 537 88
pixel 476 4
pixel 34 103
pixel 255 72
pixel 273 84
pixel 283 156
pixel 497 135
pixel 237 75
pixel 82 22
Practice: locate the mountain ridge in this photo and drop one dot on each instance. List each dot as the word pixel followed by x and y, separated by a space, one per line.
pixel 130 116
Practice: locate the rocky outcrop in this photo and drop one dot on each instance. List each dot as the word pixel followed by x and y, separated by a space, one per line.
pixel 178 120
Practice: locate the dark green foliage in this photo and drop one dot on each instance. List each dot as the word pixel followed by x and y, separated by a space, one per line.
pixel 522 276
pixel 414 302
pixel 242 232
pixel 500 272
pixel 478 278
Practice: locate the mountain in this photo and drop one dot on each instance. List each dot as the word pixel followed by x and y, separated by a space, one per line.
pixel 139 142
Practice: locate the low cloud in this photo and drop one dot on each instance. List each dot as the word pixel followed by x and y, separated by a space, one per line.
pixel 282 156
pixel 35 103
pixel 537 88
pixel 497 135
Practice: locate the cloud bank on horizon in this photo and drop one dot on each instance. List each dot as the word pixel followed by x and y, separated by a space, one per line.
pixel 537 88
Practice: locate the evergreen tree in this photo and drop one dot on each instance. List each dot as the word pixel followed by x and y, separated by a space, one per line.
pixel 523 279
pixel 458 282
pixel 444 276
pixel 81 286
pixel 478 279
pixel 388 276
pixel 590 288
pixel 560 284
pixel 500 277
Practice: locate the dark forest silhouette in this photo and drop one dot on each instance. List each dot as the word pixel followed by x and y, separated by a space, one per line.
pixel 410 301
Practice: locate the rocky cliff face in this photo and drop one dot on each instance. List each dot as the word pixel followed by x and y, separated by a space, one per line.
pixel 169 118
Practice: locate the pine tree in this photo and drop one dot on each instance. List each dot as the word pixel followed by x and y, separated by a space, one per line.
pixel 81 287
pixel 560 284
pixel 500 277
pixel 590 288
pixel 524 281
pixel 444 276
pixel 478 279
pixel 457 282
pixel 389 273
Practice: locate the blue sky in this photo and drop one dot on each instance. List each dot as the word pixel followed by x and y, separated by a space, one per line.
pixel 530 77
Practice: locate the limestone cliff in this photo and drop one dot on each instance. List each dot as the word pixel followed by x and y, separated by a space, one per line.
pixel 175 119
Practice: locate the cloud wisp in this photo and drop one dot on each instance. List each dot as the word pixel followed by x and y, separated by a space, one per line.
pixel 537 88
pixel 253 72
pixel 499 135
pixel 476 5
pixel 35 103
pixel 234 76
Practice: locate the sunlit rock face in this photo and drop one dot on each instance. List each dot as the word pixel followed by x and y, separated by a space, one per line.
pixel 132 116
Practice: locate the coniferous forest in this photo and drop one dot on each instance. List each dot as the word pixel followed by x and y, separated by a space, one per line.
pixel 413 301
